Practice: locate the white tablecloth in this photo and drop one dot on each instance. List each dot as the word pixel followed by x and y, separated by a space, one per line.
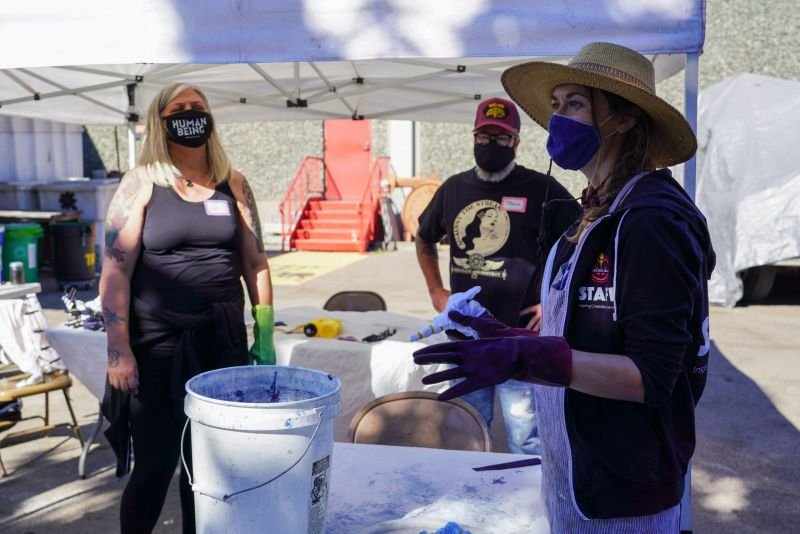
pixel 375 488
pixel 12 291
pixel 84 354
pixel 367 370
pixel 384 489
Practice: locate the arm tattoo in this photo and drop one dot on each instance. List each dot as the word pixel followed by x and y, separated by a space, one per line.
pixel 118 215
pixel 113 357
pixel 116 254
pixel 426 249
pixel 111 318
pixel 255 223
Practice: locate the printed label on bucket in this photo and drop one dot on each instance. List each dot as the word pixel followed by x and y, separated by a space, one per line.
pixel 31 255
pixel 320 472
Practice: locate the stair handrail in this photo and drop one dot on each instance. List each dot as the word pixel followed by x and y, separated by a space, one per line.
pixel 308 183
pixel 371 197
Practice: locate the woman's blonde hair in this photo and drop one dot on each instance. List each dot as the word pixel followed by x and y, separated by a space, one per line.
pixel 155 162
pixel 633 159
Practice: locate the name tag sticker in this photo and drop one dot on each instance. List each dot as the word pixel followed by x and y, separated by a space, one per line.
pixel 217 208
pixel 514 204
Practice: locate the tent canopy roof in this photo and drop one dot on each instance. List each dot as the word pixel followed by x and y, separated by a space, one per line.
pixel 312 59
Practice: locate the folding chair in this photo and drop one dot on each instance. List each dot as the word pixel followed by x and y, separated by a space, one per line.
pixel 55 381
pixel 418 419
pixel 355 301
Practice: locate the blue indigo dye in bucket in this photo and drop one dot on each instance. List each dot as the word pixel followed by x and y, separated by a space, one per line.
pixel 258 393
pixel 262 447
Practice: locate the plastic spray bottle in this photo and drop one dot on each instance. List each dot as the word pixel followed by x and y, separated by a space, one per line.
pixel 326 327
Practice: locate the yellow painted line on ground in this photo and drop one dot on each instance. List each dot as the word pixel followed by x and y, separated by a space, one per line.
pixel 295 268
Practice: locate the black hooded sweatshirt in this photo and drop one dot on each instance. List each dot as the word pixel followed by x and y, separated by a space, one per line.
pixel 639 288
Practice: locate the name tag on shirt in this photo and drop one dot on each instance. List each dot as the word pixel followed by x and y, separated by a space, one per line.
pixel 514 204
pixel 217 208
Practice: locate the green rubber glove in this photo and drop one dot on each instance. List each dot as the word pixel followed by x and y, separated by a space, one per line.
pixel 263 350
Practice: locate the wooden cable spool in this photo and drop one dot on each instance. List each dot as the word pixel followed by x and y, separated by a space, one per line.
pixel 416 202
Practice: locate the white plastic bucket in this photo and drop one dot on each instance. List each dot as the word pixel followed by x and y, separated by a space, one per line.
pixel 262 446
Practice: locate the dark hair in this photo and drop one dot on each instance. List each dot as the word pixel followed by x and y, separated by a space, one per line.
pixel 473 229
pixel 633 157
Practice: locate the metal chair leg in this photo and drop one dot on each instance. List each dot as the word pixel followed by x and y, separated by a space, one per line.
pixel 5 426
pixel 75 427
pixel 85 452
pixel 46 410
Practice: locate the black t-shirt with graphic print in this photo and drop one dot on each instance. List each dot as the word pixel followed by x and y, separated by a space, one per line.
pixel 494 233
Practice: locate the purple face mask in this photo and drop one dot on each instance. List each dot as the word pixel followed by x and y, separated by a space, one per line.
pixel 571 143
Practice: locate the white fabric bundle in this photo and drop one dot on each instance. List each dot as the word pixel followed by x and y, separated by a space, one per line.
pixel 22 326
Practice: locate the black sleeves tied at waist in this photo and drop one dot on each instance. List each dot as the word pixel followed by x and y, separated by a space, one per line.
pixel 116 409
pixel 210 340
pixel 193 353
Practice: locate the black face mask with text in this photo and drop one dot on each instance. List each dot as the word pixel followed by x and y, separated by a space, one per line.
pixel 493 158
pixel 190 128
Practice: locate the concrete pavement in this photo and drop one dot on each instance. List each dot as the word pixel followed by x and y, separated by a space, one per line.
pixel 746 476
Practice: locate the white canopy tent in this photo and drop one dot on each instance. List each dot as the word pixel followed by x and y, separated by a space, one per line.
pixel 101 61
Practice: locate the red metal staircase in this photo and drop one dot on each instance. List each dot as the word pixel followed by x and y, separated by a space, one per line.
pixel 334 201
pixel 311 222
pixel 333 225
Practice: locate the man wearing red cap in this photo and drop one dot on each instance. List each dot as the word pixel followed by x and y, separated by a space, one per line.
pixel 500 219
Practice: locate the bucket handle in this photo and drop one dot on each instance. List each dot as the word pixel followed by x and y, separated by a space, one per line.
pixel 209 492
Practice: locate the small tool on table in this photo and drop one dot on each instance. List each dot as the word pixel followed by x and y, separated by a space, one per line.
pixel 509 465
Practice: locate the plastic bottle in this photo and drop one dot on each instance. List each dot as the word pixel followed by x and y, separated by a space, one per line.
pixel 326 327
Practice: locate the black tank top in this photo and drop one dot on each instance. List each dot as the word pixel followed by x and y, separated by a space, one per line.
pixel 190 254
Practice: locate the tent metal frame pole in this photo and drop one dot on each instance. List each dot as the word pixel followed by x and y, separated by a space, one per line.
pixel 131 145
pixel 421 107
pixel 272 81
pixel 330 88
pixel 485 69
pixel 691 83
pixel 176 69
pixel 65 91
pixel 268 102
pixel 383 85
pixel 132 116
pixel 16 79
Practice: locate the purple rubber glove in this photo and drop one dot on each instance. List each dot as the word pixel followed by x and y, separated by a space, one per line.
pixel 487 325
pixel 487 362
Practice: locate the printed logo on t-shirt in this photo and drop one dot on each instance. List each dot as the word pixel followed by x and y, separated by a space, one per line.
pixel 600 269
pixel 480 230
pixel 701 363
pixel 517 204
pixel 217 208
pixel 598 293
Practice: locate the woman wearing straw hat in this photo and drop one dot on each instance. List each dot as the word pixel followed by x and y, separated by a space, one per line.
pixel 624 340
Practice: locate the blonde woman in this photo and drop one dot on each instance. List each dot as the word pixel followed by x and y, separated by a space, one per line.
pixel 181 232
pixel 622 354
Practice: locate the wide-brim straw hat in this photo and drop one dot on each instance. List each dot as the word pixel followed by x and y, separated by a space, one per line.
pixel 615 69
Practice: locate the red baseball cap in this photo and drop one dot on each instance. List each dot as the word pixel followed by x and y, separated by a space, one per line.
pixel 498 112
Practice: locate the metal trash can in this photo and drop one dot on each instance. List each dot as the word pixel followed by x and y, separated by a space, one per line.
pixel 21 243
pixel 74 257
